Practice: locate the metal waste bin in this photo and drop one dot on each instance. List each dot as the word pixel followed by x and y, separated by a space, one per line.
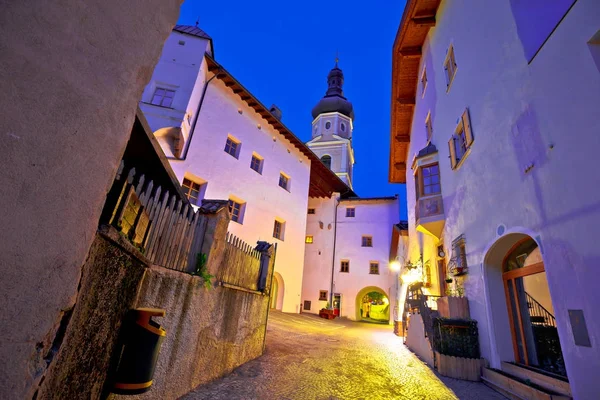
pixel 141 343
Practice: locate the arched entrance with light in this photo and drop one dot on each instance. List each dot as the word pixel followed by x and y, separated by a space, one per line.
pixel 277 291
pixel 522 318
pixel 373 305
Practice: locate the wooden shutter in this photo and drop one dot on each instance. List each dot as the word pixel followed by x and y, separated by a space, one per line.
pixel 452 152
pixel 467 127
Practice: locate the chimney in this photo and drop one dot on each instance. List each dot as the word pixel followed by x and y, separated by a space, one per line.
pixel 275 111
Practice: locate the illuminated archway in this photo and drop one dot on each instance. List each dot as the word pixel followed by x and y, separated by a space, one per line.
pixel 362 293
pixel 277 291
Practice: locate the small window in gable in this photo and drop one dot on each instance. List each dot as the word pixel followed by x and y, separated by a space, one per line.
pixel 311 211
pixel 461 141
pixel 450 67
pixel 233 146
pixel 163 97
pixel 350 212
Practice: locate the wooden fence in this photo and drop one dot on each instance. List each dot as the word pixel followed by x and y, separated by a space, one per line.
pixel 170 233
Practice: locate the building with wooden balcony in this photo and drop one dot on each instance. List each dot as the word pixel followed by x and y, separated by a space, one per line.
pixel 494 132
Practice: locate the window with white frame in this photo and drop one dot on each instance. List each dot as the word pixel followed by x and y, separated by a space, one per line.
pixel 163 97
pixel 322 295
pixel 284 181
pixel 257 163
pixel 279 229
pixel 350 212
pixel 232 147
pixel 461 140
pixel 236 210
pixel 450 67
pixel 428 127
pixel 367 241
pixel 374 268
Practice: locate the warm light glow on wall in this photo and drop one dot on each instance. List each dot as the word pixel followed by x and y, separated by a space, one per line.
pixel 411 276
pixel 395 266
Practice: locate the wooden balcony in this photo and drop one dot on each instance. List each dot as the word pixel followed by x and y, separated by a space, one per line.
pixel 429 215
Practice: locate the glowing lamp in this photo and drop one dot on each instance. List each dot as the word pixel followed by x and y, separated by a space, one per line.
pixel 395 266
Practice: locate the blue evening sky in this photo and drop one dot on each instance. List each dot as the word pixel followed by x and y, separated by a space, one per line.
pixel 282 52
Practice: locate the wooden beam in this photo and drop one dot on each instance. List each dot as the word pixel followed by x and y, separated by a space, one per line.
pixel 400 166
pixel 229 83
pixel 237 90
pixel 252 103
pixel 428 20
pixel 410 52
pixel 245 97
pixel 402 138
pixel 406 101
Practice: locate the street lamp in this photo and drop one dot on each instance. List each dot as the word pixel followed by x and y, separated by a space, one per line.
pixel 395 266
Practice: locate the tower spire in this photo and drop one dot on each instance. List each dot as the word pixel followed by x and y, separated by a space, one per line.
pixel 337 57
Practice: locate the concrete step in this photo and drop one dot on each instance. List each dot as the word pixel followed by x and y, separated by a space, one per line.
pixel 547 381
pixel 515 388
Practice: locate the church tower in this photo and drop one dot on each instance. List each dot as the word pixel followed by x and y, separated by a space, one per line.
pixel 332 128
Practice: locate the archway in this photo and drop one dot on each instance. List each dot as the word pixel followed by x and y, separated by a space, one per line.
pixel 522 323
pixel 372 305
pixel 277 291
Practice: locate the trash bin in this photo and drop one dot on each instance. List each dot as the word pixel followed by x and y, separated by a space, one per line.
pixel 142 338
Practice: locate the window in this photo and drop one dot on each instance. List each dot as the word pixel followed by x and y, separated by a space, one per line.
pixel 323 295
pixel 374 268
pixel 423 81
pixel 459 255
pixel 236 210
pixel 306 305
pixel 350 212
pixel 279 229
pixel 256 163
pixel 284 181
pixel 343 127
pixel 428 127
pixel 163 97
pixel 326 160
pixel 430 180
pixel 311 211
pixel 345 266
pixel 232 147
pixel 327 125
pixel 191 191
pixel 309 239
pixel 461 141
pixel 450 67
pixel 367 241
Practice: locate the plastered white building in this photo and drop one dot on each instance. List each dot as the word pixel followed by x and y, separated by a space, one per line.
pixel 223 143
pixel 495 131
pixel 348 239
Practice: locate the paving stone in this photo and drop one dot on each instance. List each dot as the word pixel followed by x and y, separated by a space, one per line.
pixel 311 358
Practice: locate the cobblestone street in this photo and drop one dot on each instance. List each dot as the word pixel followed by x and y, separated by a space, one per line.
pixel 312 358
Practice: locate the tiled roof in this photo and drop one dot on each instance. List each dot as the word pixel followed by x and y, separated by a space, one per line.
pixel 191 30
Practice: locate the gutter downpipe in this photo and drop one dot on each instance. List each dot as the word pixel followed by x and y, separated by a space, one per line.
pixel 193 127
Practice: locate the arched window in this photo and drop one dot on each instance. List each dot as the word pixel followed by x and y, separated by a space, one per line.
pixel 327 161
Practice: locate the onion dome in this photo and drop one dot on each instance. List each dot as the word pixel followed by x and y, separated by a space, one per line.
pixel 334 100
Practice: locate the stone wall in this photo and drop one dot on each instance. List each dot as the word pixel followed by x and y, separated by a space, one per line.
pixel 71 74
pixel 111 278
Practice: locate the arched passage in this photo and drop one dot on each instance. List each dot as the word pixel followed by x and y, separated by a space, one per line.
pixel 361 297
pixel 522 324
pixel 277 291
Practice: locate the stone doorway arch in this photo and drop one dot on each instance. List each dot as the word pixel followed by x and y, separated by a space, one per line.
pixel 277 291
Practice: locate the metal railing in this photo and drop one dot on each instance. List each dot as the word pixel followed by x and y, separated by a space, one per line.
pixel 538 314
